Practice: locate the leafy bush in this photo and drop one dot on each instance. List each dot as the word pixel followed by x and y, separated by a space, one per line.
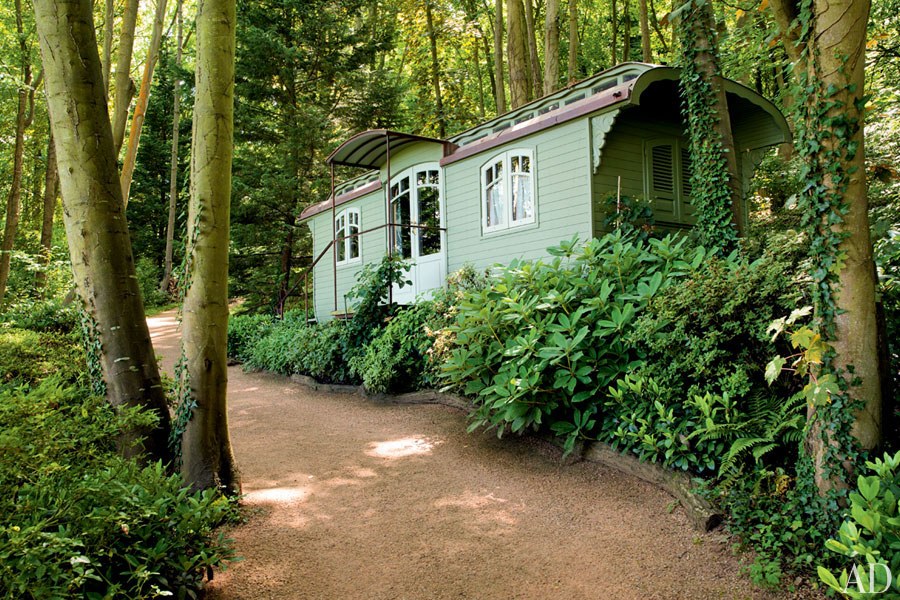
pixel 291 348
pixel 148 277
pixel 871 534
pixel 244 331
pixel 27 357
pixel 76 519
pixel 543 342
pixel 43 315
pixel 404 356
pixel 699 400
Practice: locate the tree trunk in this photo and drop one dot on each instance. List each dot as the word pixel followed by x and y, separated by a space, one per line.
pixel 140 109
pixel 124 86
pixel 435 71
pixel 533 61
pixel 208 461
pixel 835 79
pixel 551 47
pixel 51 191
pixel 646 54
pixel 15 191
pixel 654 22
pixel 500 88
pixel 173 157
pixel 99 243
pixel 573 41
pixel 109 17
pixel 287 260
pixel 626 42
pixel 614 42
pixel 477 59
pixel 517 53
pixel 700 21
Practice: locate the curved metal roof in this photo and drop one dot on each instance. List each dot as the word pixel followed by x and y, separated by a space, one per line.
pixel 369 149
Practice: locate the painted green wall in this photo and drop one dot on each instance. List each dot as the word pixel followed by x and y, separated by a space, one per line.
pixel 562 184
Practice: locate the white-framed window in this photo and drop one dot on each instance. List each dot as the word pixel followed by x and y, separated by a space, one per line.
pixel 346 236
pixel 668 180
pixel 508 196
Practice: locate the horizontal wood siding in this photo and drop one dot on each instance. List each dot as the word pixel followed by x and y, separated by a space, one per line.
pixel 562 185
pixel 623 156
pixel 372 247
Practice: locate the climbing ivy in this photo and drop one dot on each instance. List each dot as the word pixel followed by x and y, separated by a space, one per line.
pixel 185 403
pixel 93 349
pixel 824 139
pixel 711 195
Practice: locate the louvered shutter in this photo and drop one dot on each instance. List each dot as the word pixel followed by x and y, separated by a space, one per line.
pixel 661 168
pixel 687 189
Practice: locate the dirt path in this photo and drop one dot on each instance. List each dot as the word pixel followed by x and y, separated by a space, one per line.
pixel 348 499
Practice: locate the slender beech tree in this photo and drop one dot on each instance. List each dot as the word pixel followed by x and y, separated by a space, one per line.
pixel 207 458
pixel 500 87
pixel 109 17
pixel 143 99
pixel 573 41
pixel 435 70
pixel 517 53
pixel 99 243
pixel 614 38
pixel 646 54
pixel 827 45
pixel 173 168
pixel 51 191
pixel 124 85
pixel 24 114
pixel 626 35
pixel 698 24
pixel 534 62
pixel 551 46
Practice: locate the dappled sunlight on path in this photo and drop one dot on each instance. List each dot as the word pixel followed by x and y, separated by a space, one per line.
pixel 349 499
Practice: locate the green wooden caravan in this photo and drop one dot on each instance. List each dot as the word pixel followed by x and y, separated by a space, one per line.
pixel 519 183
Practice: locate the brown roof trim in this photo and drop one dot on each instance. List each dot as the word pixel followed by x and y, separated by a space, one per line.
pixel 311 211
pixel 616 95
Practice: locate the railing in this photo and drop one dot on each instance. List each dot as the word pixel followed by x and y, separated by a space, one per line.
pixel 329 246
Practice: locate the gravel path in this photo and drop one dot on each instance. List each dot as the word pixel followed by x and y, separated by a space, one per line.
pixel 350 499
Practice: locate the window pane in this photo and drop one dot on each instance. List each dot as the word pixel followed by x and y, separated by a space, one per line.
pixel 522 199
pixel 434 177
pixel 400 215
pixel 353 248
pixel 420 178
pixel 495 209
pixel 514 164
pixel 352 229
pixel 430 217
pixel 498 169
pixel 526 164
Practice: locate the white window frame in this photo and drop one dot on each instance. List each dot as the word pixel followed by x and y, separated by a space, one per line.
pixel 344 217
pixel 506 190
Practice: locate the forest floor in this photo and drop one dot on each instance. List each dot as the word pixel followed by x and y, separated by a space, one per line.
pixel 345 498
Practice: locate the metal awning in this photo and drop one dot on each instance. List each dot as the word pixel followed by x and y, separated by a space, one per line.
pixel 370 149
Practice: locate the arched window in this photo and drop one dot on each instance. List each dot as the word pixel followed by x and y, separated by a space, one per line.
pixel 507 191
pixel 346 236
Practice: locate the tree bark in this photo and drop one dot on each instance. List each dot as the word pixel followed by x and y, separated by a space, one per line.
pixel 551 47
pixel 533 61
pixel 208 461
pixel 15 191
pixel 173 157
pixel 51 191
pixel 124 85
pixel 614 41
pixel 837 43
pixel 477 60
pixel 140 108
pixel 435 71
pixel 646 54
pixel 109 16
pixel 517 53
pixel 626 41
pixel 500 89
pixel 99 243
pixel 702 23
pixel 573 41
